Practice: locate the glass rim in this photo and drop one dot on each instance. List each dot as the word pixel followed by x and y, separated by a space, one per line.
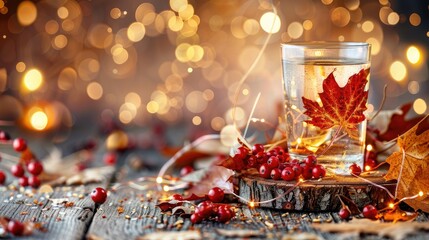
pixel 324 44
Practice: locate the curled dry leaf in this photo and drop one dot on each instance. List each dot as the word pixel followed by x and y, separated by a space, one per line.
pixel 172 235
pixel 397 214
pixel 410 166
pixel 182 210
pixel 215 176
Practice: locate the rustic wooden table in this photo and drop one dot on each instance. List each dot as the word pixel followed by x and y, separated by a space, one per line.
pixel 131 214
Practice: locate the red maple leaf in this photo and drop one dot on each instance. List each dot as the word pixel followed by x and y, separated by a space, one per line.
pixel 341 106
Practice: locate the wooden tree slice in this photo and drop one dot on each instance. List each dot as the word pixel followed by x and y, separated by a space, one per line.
pixel 315 195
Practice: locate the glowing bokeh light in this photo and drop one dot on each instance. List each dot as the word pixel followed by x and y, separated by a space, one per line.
pixel 413 54
pixel 39 120
pixel 33 79
pixel 270 22
pixel 419 106
pixel 196 120
pixel 94 90
pixel 398 71
pixel 26 13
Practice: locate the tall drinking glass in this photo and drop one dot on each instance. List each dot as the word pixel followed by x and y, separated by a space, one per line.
pixel 326 89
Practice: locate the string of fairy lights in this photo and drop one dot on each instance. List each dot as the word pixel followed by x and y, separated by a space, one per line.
pixel 182 60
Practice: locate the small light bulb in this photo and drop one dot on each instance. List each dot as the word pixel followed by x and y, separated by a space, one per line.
pixel 391 205
pixel 421 193
pixel 166 188
pixel 369 147
pixel 159 179
pixel 367 168
pixel 251 204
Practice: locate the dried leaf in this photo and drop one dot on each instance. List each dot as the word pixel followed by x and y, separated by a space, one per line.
pixel 182 210
pixel 397 214
pixel 45 188
pixel 341 106
pixel 58 201
pixel 167 206
pixel 216 176
pixel 396 231
pixel 239 233
pixel 354 209
pixel 410 166
pixel 90 175
pixel 173 235
pixel 398 124
pixel 302 236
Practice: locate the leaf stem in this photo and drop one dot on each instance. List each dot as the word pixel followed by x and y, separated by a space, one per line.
pixel 333 139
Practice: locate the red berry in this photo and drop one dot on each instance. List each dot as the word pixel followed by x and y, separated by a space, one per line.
pixel 297 169
pixel 224 214
pixel 177 197
pixel 264 170
pixel 4 136
pixel 310 160
pixel 196 218
pixel 318 171
pixel 23 181
pixel 205 209
pixel 257 148
pixel 19 144
pixel 17 170
pixel 288 174
pixel 307 172
pixel 15 227
pixel 35 168
pixel 276 174
pixel 216 195
pixel 273 162
pixel 355 169
pixel 2 177
pixel 186 170
pixel 34 181
pixel 110 158
pixel 99 195
pixel 369 211
pixel 242 152
pixel 344 213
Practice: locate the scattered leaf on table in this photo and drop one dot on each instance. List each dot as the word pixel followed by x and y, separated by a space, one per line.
pixel 354 209
pixel 216 176
pixel 58 201
pixel 396 231
pixel 182 210
pixel 341 106
pixel 90 175
pixel 397 214
pixel 168 205
pixel 173 235
pixel 239 233
pixel 410 166
pixel 398 123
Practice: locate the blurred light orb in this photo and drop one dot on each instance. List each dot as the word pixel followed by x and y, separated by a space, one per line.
pixel 51 27
pixel 33 79
pixel 39 120
pixel 307 24
pixel 229 135
pixel 26 13
pixel 295 30
pixel 413 54
pixel 152 107
pixel 217 123
pixel 251 26
pixel 413 87
pixel 63 12
pixel 94 90
pixel 419 106
pixel 375 45
pixel 415 19
pixel 327 2
pixel 115 13
pixel 136 31
pixel 393 18
pixel 367 26
pixel 340 17
pixel 60 41
pixel 196 120
pixel 398 71
pixel 20 67
pixel 117 140
pixel 270 22
pixel 195 102
pixel 133 98
pixel 178 5
pixel 67 79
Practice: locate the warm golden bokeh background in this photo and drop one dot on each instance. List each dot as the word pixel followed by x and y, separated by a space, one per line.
pixel 68 64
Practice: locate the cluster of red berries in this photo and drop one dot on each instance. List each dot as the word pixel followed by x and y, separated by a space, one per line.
pixel 277 163
pixel 208 210
pixel 369 211
pixel 34 167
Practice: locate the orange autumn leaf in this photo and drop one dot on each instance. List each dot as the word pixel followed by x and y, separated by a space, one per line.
pixel 413 160
pixel 341 106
